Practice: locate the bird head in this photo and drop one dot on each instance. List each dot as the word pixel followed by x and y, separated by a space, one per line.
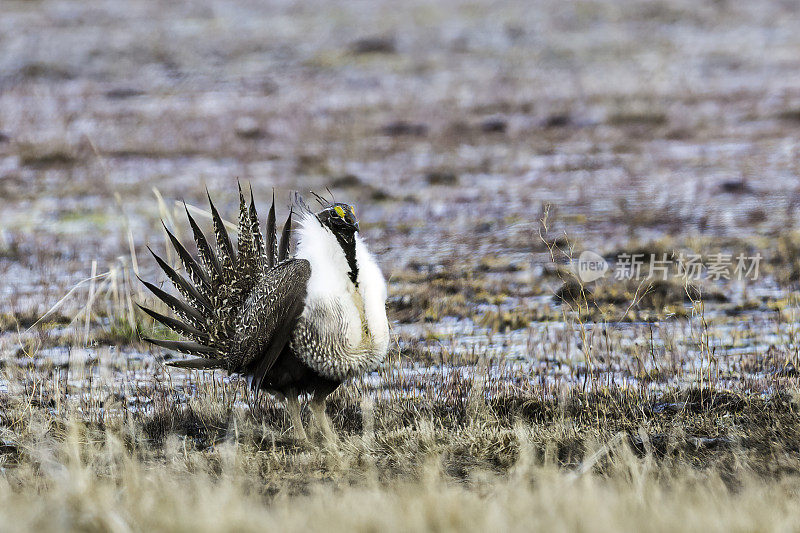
pixel 341 220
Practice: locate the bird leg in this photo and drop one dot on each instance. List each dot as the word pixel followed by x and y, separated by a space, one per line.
pixel 321 417
pixel 293 408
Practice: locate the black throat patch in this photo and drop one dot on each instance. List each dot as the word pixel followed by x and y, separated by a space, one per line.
pixel 347 241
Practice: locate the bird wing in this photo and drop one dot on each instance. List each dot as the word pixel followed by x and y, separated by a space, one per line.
pixel 268 317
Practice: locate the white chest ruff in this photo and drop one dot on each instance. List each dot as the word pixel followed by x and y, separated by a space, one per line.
pixel 332 339
pixel 343 331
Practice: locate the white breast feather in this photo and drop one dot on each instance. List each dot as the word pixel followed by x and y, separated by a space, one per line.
pixel 330 290
pixel 329 267
pixel 330 284
pixel 372 287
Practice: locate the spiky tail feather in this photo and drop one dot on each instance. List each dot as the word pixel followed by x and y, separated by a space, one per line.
pixel 217 285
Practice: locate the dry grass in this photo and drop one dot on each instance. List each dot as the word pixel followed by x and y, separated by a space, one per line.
pixel 698 460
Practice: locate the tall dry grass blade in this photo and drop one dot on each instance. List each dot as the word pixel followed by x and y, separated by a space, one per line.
pixel 89 304
pixel 588 463
pixel 163 210
pixel 234 227
pixel 64 299
pixel 129 300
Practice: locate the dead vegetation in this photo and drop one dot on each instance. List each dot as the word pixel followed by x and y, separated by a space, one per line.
pixel 220 463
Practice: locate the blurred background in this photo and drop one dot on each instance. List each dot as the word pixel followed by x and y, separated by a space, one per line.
pixel 645 125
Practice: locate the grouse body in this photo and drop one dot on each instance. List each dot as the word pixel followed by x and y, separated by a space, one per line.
pixel 290 325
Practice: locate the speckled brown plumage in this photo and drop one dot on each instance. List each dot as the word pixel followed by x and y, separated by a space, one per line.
pixel 239 308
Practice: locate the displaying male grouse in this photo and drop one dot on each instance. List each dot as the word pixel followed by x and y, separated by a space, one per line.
pixel 289 325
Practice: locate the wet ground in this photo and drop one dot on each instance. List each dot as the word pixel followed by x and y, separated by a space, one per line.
pixel 456 128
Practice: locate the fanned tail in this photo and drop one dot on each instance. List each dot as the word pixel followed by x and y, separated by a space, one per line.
pixel 217 285
pixel 283 251
pixel 270 253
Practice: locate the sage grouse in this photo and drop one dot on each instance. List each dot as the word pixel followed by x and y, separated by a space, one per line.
pixel 289 325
